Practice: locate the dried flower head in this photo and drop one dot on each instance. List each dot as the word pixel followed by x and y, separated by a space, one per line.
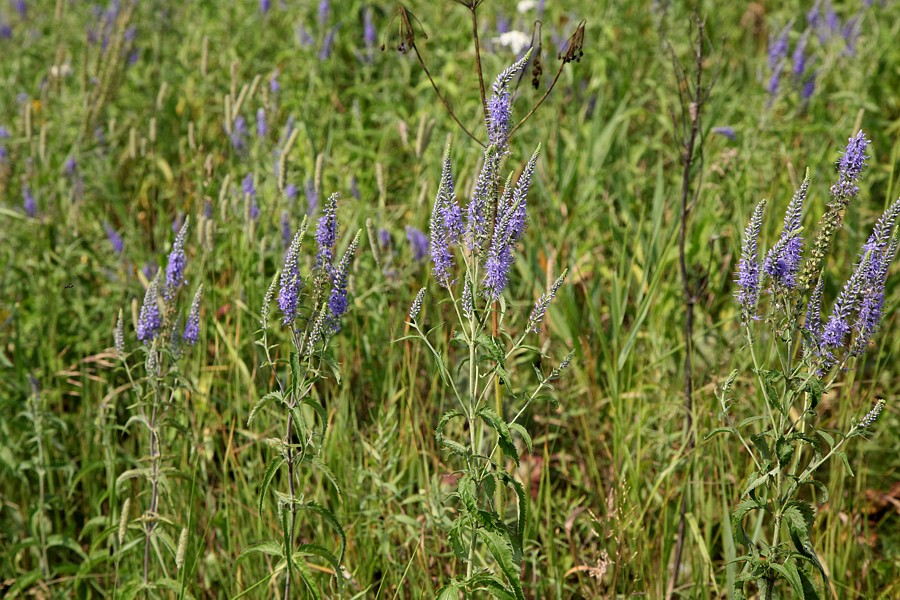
pixel 543 303
pixel 416 307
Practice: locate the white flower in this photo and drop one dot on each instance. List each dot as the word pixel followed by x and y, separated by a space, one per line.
pixel 516 41
pixel 525 5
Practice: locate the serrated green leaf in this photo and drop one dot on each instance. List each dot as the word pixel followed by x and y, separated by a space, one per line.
pixel 454 536
pixel 131 474
pixel 267 480
pixel 815 388
pixel 522 508
pixel 267 548
pixel 809 590
pixel 308 581
pixel 762 446
pixel 504 439
pixel 788 572
pixel 827 437
pixel 270 397
pixel 286 520
pixel 758 480
pixel 449 591
pixel 329 518
pixel 490 583
pixel 737 521
pixel 526 437
pixel 799 517
pixel 465 487
pixel 439 432
pixel 500 547
pixel 319 464
pixel 843 456
pixel 716 432
pixel 319 410
pixel 488 485
pixel 322 552
pixel 784 451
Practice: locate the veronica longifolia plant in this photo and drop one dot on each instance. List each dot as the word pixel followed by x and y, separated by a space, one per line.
pixel 311 308
pixel 798 355
pixel 164 335
pixel 471 260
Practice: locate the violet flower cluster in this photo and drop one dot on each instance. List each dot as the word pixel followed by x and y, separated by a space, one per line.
pixel 823 21
pixel 319 311
pixel 858 310
pixel 495 220
pixel 748 267
pixel 159 308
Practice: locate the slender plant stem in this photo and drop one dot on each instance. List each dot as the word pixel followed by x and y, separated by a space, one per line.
pixel 689 291
pixel 473 9
pixel 441 96
pixel 291 494
pixel 540 101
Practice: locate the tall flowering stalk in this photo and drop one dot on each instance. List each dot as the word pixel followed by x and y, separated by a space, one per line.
pixel 474 277
pixel 311 308
pixel 162 336
pixel 812 353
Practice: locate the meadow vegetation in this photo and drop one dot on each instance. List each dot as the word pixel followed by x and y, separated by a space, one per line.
pixel 286 314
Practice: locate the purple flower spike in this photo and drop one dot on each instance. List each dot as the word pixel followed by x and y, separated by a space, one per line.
pixel 291 282
pixel 327 44
pixel 418 241
pixel 192 328
pixel 477 213
pixel 775 80
pixel 337 302
pixel 783 260
pixel 285 228
pixel 290 192
pixel 326 234
pixel 274 86
pixel 813 323
pixel 264 6
pixel 114 238
pixel 370 36
pixel 312 197
pixel 850 166
pixel 878 254
pixel 324 10
pixel 176 264
pixel 28 202
pixel 247 186
pixel 726 131
pixel 150 320
pixel 836 330
pixel 239 134
pixel 748 267
pixel 445 226
pixel 261 128
pixel 809 88
pixel 778 47
pixel 510 226
pixel 798 58
pixel 499 107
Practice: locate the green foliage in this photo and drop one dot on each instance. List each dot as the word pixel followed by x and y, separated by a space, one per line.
pixel 599 471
